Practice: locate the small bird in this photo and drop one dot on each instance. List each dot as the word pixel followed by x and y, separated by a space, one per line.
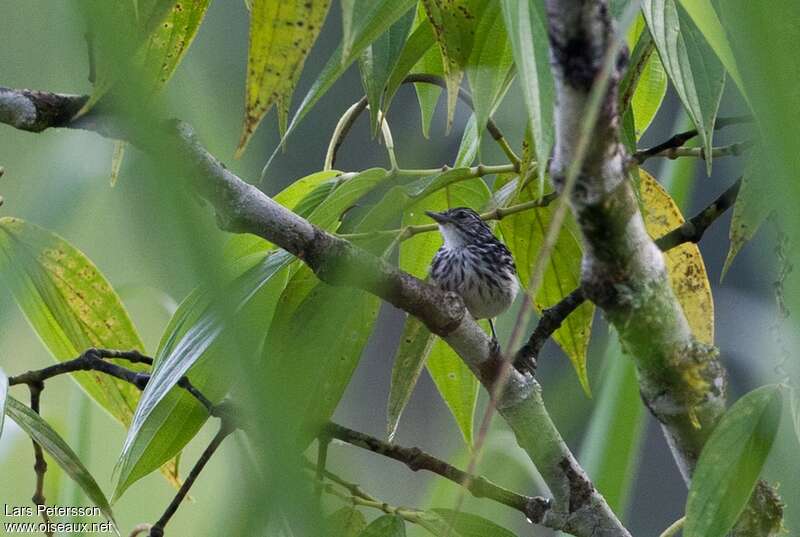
pixel 474 264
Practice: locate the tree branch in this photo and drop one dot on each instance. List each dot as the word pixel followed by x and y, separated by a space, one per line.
pixel 535 508
pixel 40 466
pixel 242 208
pixel 681 138
pixel 681 381
pixel 672 153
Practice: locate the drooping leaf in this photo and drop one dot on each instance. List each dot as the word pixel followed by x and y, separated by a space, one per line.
pixel 455 26
pixel 309 374
pixel 692 65
pixel 731 460
pixel 281 36
pixel 527 31
pixel 116 161
pixel 210 326
pixel 610 448
pixel 3 395
pixel 418 44
pixel 348 14
pixel 385 526
pixel 470 142
pixel 456 384
pixel 375 19
pixel 378 61
pixel 41 433
pixel 415 345
pixel 469 525
pixel 651 84
pixel 685 266
pixel 796 412
pixel 345 522
pixel 524 235
pixel 489 62
pixel 71 306
pixel 429 63
pixel 758 197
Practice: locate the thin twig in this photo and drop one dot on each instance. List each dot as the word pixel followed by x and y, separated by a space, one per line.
pixel 673 153
pixel 533 507
pixel 674 528
pixel 681 138
pixel 140 529
pixel 225 429
pixel 39 466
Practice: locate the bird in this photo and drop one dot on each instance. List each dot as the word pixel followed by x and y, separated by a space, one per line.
pixel 474 264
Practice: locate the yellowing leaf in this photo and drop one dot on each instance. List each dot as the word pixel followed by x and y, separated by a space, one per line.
pixel 282 33
pixel 685 266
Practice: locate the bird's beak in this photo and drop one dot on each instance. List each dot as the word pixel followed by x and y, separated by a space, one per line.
pixel 441 218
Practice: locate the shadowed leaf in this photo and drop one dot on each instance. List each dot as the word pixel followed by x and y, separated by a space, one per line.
pixel 3 396
pixel 345 522
pixel 469 525
pixel 385 526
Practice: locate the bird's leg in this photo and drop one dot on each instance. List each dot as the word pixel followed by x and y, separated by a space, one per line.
pixel 491 325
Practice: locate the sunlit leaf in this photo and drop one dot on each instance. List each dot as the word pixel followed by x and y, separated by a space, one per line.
pixel 200 338
pixel 651 84
pixel 527 31
pixel 385 526
pixel 685 266
pixel 524 235
pixel 281 36
pixel 730 463
pixel 692 65
pixel 41 433
pixel 345 522
pixel 415 345
pixel 3 395
pixel 469 525
pixel 378 61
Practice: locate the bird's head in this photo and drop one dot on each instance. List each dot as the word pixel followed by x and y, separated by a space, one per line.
pixel 461 226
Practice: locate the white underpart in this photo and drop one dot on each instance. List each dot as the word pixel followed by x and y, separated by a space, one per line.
pixel 452 237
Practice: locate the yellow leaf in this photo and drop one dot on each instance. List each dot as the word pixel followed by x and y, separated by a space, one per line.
pixel 685 266
pixel 282 33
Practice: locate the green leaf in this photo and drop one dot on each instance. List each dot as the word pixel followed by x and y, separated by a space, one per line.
pixel 489 63
pixel 470 143
pixel 651 84
pixel 456 384
pixel 308 375
pixel 610 448
pixel 208 328
pixel 429 63
pixel 795 412
pixel 41 433
pixel 469 525
pixel 71 306
pixel 348 13
pixel 524 235
pixel 375 19
pixel 692 65
pixel 415 345
pixel 345 522
pixel 171 39
pixel 455 24
pixel 385 526
pixel 731 460
pixel 758 197
pixel 527 31
pixel 418 44
pixel 328 213
pixel 705 18
pixel 378 61
pixel 281 36
pixel 3 396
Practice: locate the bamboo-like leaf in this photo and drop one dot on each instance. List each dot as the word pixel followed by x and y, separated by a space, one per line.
pixel 208 329
pixel 651 86
pixel 524 235
pixel 116 161
pixel 281 36
pixel 488 64
pixel 378 61
pixel 756 200
pixel 385 526
pixel 796 412
pixel 685 266
pixel 415 345
pixel 470 142
pixel 469 525
pixel 418 44
pixel 731 460
pixel 456 384
pixel 692 65
pixel 41 433
pixel 527 31
pixel 346 522
pixel 3 396
pixel 348 14
pixel 375 19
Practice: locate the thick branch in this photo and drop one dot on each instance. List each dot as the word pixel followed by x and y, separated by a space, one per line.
pixel 681 380
pixel 242 208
